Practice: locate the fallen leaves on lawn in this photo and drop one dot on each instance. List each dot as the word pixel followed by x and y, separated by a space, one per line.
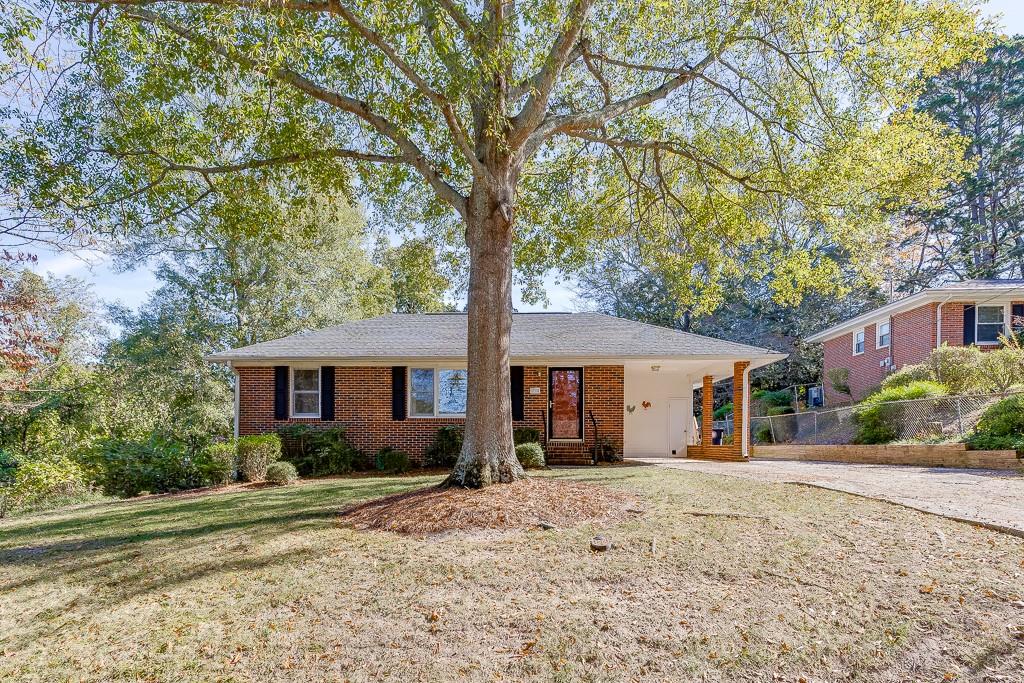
pixel 519 505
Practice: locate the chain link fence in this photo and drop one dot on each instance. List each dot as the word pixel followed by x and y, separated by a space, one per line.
pixel 930 420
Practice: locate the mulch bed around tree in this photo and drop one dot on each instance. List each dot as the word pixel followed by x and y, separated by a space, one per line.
pixel 524 504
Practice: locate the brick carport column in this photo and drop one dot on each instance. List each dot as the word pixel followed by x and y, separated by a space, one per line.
pixel 740 405
pixel 707 417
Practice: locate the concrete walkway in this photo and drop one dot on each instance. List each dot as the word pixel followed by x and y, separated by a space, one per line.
pixel 992 498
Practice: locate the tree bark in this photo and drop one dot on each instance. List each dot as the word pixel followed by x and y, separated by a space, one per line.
pixel 488 455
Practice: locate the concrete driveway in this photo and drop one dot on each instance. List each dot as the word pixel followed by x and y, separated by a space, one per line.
pixel 992 498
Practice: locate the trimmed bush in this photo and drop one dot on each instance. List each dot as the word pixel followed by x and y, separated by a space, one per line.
pixel 779 410
pixel 908 375
pixel 392 461
pixel 1001 426
pixel 531 455
pixel 281 473
pixel 319 452
pixel 1002 369
pixel 255 453
pixel 445 448
pixel 525 435
pixel 958 368
pixel 783 398
pixel 879 420
pixel 220 462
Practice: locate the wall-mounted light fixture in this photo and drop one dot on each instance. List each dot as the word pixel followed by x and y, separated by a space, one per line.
pixel 655 368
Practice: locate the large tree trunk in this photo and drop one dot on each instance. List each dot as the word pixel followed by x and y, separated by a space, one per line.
pixel 488 456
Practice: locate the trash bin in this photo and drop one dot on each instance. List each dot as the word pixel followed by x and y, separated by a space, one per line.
pixel 716 436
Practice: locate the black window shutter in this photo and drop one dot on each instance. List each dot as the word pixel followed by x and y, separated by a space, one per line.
pixel 398 401
pixel 280 392
pixel 516 375
pixel 968 324
pixel 1017 317
pixel 327 392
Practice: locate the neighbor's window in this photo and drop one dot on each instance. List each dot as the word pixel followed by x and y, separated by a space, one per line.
pixel 858 342
pixel 884 335
pixel 437 392
pixel 305 392
pixel 990 324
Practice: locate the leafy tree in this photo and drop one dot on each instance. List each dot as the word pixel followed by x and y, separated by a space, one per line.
pixel 524 122
pixel 418 278
pixel 746 309
pixel 233 285
pixel 975 232
pixel 50 329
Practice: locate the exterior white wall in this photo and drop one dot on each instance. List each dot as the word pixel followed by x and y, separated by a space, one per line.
pixel 646 431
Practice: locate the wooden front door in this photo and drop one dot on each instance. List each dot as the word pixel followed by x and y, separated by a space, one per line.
pixel 565 403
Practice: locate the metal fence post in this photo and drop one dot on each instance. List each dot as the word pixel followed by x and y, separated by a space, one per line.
pixel 959 417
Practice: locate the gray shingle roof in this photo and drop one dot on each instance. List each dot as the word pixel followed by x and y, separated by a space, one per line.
pixel 534 335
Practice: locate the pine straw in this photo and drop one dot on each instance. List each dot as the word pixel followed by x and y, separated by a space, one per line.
pixel 521 505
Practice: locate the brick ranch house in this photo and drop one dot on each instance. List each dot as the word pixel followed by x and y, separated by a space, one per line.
pixel 394 380
pixel 904 332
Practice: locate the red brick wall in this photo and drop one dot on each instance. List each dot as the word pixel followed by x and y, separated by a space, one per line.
pixel 952 323
pixel 363 406
pixel 913 334
pixel 865 370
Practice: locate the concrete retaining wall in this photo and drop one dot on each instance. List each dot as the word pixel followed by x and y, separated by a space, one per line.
pixel 945 455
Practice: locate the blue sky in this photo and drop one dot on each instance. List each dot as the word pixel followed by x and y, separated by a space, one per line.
pixel 132 287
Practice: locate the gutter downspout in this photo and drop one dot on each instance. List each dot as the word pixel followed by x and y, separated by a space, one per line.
pixel 238 401
pixel 745 437
pixel 938 321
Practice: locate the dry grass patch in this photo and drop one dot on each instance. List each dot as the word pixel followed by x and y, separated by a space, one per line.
pixel 266 585
pixel 521 505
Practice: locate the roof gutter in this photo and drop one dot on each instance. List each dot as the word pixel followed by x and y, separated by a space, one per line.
pixel 938 321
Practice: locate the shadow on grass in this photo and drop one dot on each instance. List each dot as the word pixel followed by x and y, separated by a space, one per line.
pixel 140 583
pixel 104 525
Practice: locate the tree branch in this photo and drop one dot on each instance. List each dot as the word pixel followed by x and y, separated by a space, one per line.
pixel 442 103
pixel 573 123
pixel 410 152
pixel 533 112
pixel 671 148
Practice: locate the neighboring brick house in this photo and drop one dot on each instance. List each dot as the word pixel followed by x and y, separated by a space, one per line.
pixel 904 332
pixel 393 380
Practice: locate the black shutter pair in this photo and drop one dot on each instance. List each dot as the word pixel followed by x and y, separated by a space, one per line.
pixel 326 392
pixel 399 400
pixel 969 312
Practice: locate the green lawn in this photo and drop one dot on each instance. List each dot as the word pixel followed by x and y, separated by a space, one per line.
pixel 266 585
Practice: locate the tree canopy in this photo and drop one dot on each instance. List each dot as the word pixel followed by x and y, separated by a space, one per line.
pixel 975 231
pixel 528 129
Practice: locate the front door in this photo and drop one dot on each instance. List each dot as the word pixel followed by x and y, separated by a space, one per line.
pixel 565 404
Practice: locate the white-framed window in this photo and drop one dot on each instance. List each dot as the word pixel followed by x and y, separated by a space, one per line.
pixel 883 335
pixel 858 342
pixel 437 392
pixel 989 323
pixel 305 392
